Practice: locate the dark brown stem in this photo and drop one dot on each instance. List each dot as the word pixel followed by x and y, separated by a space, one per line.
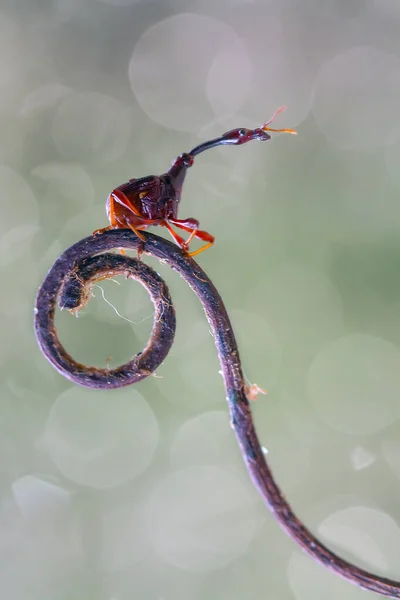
pixel 69 279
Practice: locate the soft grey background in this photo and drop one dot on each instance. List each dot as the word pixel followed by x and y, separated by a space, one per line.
pixel 141 493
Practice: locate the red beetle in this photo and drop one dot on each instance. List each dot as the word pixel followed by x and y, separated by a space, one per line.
pixel 154 200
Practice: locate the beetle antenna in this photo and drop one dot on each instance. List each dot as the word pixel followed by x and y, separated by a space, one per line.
pixel 276 113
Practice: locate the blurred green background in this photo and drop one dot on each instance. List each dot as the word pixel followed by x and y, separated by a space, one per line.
pixel 141 493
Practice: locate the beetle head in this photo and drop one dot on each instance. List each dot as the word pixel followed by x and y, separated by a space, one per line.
pixel 241 135
pixel 236 137
pixel 185 160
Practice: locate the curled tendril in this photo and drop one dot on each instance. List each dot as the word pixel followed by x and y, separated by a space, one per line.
pixel 69 281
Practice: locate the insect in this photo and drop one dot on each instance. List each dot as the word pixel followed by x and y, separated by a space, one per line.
pixel 154 200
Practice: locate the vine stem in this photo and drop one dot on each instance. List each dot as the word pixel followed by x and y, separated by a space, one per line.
pixel 69 281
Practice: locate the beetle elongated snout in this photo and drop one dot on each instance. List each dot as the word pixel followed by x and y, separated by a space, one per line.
pixel 236 137
pixel 242 135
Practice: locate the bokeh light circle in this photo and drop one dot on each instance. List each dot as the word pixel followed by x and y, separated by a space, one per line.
pixel 308 581
pixel 91 127
pixel 24 210
pixel 391 452
pixel 301 302
pixel 356 98
pixel 201 518
pixel 205 439
pixel 178 71
pixel 118 3
pixel 368 534
pixel 392 157
pixel 101 443
pixel 354 384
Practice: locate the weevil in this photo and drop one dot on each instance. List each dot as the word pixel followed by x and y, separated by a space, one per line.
pixel 154 200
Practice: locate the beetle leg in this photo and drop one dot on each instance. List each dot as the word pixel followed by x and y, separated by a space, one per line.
pixel 113 219
pixel 98 231
pixel 191 225
pixel 203 235
pixel 177 238
pixel 113 222
pixel 116 197
pixel 123 200
pixel 187 224
pixel 141 238
pixel 191 236
pixel 140 235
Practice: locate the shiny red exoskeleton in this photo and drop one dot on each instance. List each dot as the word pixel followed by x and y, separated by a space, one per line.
pixel 154 200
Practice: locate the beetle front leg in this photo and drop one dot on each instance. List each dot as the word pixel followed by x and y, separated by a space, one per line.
pixel 192 226
pixel 177 238
pixel 206 237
